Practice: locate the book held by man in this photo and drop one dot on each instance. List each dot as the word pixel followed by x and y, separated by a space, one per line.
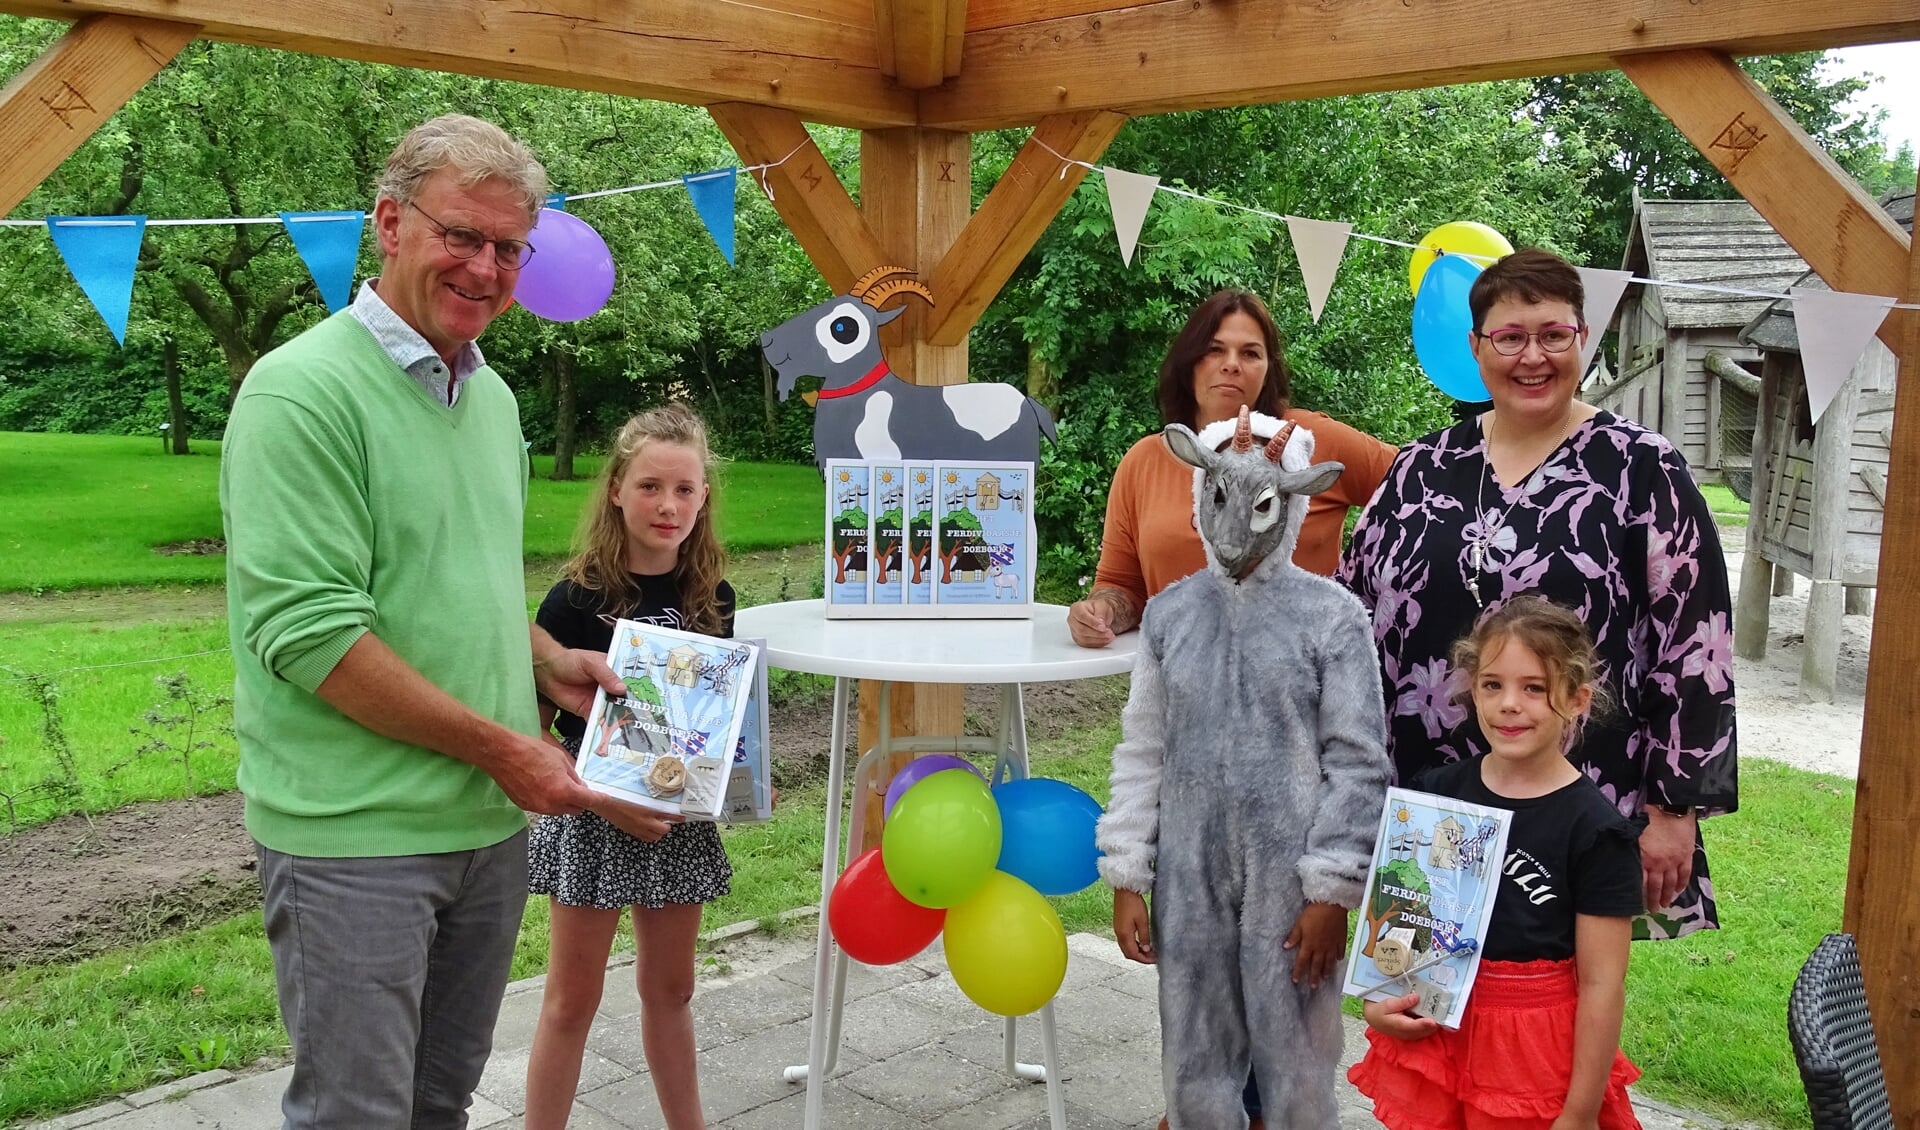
pixel 671 741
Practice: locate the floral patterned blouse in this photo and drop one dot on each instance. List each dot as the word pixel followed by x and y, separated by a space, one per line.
pixel 1610 525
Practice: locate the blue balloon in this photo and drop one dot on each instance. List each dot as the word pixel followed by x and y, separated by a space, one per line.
pixel 1441 324
pixel 1046 835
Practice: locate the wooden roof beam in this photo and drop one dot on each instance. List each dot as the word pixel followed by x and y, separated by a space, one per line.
pixel 1196 54
pixel 798 57
pixel 1012 217
pixel 807 193
pixel 1809 199
pixel 50 109
pixel 920 40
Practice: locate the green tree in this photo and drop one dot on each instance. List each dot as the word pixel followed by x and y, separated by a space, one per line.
pixel 1633 145
pixel 1402 875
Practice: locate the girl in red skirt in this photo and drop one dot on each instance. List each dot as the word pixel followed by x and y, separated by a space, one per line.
pixel 1539 1045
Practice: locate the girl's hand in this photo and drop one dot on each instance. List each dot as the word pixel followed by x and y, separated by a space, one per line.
pixel 1132 928
pixel 1320 934
pixel 1389 1018
pixel 635 820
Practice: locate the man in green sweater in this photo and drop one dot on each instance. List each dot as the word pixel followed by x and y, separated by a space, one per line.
pixel 373 481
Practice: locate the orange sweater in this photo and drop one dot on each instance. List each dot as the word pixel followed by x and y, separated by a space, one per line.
pixel 1150 541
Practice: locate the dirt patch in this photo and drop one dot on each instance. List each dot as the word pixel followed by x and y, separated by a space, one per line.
pixel 193 547
pixel 78 885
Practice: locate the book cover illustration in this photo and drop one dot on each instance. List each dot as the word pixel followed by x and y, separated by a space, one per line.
pixel 750 785
pixel 849 532
pixel 889 533
pixel 1428 899
pixel 667 744
pixel 919 555
pixel 985 536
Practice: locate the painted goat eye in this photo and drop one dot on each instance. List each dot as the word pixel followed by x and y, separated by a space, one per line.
pixel 1265 513
pixel 843 332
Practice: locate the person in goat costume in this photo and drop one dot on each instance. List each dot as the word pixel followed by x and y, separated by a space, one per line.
pixel 1246 790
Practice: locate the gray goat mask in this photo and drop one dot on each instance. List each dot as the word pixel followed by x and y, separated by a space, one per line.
pixel 1245 505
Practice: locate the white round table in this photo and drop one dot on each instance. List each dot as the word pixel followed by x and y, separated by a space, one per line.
pixel 1006 653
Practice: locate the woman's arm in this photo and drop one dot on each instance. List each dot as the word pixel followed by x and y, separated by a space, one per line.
pixel 1600 957
pixel 1120 591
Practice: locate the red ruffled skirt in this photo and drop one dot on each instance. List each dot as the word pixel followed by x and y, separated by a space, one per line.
pixel 1508 1065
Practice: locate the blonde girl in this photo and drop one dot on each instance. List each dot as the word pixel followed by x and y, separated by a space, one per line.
pixel 1539 1045
pixel 647 552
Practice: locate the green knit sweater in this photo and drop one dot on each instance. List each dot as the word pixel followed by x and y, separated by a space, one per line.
pixel 355 503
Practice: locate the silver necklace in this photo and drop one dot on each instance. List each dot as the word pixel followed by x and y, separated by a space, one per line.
pixel 1491 522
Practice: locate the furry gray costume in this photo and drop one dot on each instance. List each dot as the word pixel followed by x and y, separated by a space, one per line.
pixel 1247 783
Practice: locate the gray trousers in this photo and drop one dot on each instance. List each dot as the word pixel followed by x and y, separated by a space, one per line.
pixel 390 972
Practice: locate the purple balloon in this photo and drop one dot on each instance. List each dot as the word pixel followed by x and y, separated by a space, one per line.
pixel 919 769
pixel 571 273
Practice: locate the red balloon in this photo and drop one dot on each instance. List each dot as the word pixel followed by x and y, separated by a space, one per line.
pixel 872 921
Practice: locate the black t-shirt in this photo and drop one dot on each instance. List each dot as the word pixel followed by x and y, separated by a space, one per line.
pixel 577 616
pixel 1568 852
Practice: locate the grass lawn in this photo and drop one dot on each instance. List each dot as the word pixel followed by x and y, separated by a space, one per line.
pixel 1727 508
pixel 1705 1015
pixel 86 511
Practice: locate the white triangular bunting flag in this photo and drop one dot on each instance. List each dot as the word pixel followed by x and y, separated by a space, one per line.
pixel 1128 194
pixel 1834 328
pixel 1318 245
pixel 1604 289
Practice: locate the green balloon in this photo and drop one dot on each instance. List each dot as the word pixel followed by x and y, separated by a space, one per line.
pixel 942 840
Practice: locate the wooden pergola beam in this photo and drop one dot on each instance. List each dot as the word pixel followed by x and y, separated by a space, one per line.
pixel 1808 198
pixel 1182 55
pixel 1012 217
pixel 919 40
pixel 1883 873
pixel 50 109
pixel 807 193
pixel 813 62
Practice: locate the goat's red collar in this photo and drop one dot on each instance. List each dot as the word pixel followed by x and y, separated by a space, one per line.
pixel 863 384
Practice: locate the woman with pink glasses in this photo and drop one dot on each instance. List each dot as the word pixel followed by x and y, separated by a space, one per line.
pixel 1546 494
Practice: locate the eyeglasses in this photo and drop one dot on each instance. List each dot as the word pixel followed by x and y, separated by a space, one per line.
pixel 1511 341
pixel 465 243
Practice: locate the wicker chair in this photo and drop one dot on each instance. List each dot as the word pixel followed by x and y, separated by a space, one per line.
pixel 1833 1041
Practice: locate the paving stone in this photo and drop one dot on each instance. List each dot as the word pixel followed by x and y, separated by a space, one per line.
pixel 1118 1081
pixel 843 1110
pixel 519 1016
pixel 734 1078
pixel 177 1087
pixel 1138 980
pixel 927 1082
pixel 1103 1012
pixel 887 1024
pixel 582 1117
pixel 1101 947
pixel 79 1118
pixel 250 1102
pixel 504 1083
pixel 738 1010
pixel 1021 1109
pixel 159 1116
pixel 484 1114
pixel 984 1043
pixel 941 995
pixel 862 980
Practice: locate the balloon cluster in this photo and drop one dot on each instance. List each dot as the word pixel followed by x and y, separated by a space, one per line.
pixel 570 276
pixel 1441 274
pixel 973 865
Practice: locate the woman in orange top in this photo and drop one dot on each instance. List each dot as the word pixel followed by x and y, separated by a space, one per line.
pixel 1227 355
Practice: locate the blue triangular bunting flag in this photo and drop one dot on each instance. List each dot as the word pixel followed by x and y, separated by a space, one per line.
pixel 329 243
pixel 713 198
pixel 557 201
pixel 101 253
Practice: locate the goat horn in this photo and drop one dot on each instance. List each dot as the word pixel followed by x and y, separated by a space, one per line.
pixel 1278 444
pixel 864 282
pixel 1243 432
pixel 878 296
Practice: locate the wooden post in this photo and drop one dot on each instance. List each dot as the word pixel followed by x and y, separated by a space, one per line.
pixel 1751 612
pixel 916 191
pixel 1673 390
pixel 1832 476
pixel 1883 875
pixel 50 109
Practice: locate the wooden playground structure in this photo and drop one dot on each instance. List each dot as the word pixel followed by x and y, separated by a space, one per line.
pixel 917 77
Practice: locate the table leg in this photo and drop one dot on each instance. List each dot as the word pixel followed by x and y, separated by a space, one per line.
pixel 823 1003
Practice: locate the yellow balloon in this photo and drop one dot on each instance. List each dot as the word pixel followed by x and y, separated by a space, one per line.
pixel 1006 947
pixel 1462 237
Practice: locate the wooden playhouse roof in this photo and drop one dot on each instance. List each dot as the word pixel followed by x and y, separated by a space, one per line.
pixel 1723 242
pixel 1773 328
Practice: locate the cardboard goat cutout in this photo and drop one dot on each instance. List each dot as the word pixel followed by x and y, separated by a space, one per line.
pixel 863 411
